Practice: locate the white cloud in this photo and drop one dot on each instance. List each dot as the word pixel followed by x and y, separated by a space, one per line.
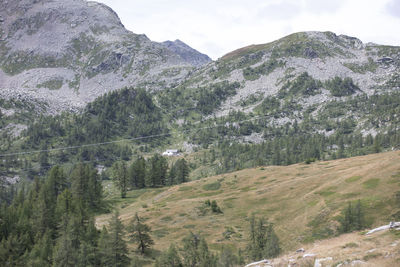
pixel 218 27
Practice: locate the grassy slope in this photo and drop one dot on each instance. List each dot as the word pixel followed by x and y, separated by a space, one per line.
pixel 290 196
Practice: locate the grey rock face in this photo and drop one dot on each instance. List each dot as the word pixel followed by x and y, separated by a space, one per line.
pixel 187 53
pixel 86 46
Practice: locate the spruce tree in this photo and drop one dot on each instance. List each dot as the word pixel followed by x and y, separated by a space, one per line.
pixel 139 234
pixel 119 250
pixel 137 173
pixel 263 243
pixel 105 251
pixel 169 258
pixel 272 247
pixel 196 253
pixel 41 253
pixel 120 177
pixel 182 170
pixel 157 171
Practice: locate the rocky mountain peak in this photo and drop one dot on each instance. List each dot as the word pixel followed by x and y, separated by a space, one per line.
pixel 187 53
pixel 68 52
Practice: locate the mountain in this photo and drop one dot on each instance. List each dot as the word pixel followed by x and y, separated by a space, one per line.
pixel 66 53
pixel 187 53
pixel 263 70
pixel 317 75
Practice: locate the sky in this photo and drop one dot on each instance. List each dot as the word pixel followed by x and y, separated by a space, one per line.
pixel 216 27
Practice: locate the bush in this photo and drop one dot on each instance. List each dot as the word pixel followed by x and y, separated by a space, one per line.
pixel 212 186
pixel 341 87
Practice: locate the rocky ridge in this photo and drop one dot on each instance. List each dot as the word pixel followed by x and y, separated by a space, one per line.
pixel 187 53
pixel 323 55
pixel 67 53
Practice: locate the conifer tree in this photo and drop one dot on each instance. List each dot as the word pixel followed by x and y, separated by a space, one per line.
pixel 196 253
pixel 120 177
pixel 272 247
pixel 169 258
pixel 67 246
pixel 182 171
pixel 119 250
pixel 41 253
pixel 157 173
pixel 353 218
pixel 137 173
pixel 263 243
pixel 105 252
pixel 139 234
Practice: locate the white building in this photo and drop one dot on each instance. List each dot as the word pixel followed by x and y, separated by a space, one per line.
pixel 170 152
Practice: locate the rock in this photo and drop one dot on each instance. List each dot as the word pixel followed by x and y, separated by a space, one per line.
pixel 262 263
pixel 187 53
pixel 391 225
pixel 357 263
pixel 309 255
pixel 310 53
pixel 317 262
pixel 300 250
pixel 385 60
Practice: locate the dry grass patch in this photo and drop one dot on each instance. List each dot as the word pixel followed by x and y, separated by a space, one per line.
pixel 288 200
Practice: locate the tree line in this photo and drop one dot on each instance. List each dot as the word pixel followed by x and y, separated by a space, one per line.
pixel 152 172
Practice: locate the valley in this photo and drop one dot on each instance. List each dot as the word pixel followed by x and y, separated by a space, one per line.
pixel 278 146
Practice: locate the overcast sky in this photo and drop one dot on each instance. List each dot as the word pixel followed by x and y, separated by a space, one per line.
pixel 216 27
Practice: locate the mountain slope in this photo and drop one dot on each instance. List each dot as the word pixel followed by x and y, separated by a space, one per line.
pixel 316 83
pixel 67 53
pixel 265 70
pixel 303 201
pixel 187 53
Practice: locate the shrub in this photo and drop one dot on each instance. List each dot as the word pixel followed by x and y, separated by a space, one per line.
pixel 212 186
pixel 341 87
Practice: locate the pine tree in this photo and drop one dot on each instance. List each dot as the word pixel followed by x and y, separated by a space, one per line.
pixel 41 253
pixel 95 189
pixel 196 253
pixel 169 258
pixel 190 250
pixel 139 233
pixel 120 177
pixel 353 218
pixel 105 252
pixel 137 173
pixel 118 245
pixel 157 173
pixel 67 246
pixel 272 247
pixel 359 220
pixel 264 243
pixel 182 171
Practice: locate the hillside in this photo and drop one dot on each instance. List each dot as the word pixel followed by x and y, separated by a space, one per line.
pixel 272 69
pixel 67 53
pixel 302 200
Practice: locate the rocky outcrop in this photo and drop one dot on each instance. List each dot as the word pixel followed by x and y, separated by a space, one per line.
pixel 391 225
pixel 322 55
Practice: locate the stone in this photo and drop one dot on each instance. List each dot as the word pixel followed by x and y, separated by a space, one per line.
pixel 357 263
pixel 317 262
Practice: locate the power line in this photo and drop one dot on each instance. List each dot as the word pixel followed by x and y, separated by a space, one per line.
pixel 123 140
